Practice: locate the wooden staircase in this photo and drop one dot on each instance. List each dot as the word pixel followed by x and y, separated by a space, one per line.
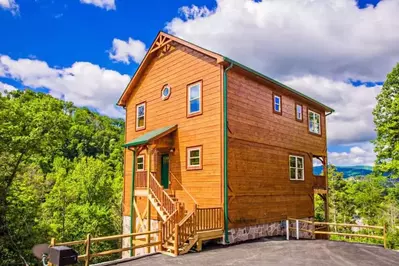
pixel 178 227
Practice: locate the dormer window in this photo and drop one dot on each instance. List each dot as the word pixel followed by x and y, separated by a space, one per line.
pixel 140 116
pixel 277 104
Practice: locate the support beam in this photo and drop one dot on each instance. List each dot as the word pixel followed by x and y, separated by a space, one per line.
pixel 149 152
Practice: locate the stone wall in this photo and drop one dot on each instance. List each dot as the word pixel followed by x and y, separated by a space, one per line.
pixel 266 230
pixel 126 241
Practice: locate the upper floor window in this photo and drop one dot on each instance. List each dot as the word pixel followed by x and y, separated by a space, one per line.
pixel 314 122
pixel 276 103
pixel 140 116
pixel 194 158
pixel 140 163
pixel 194 99
pixel 297 168
pixel 299 112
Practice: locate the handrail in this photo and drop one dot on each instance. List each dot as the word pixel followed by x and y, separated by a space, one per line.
pixel 161 196
pixel 351 225
pixel 185 229
pixel 184 188
pixel 88 242
pixel 186 218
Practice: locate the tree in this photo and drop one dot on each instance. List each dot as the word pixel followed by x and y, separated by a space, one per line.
pixel 386 119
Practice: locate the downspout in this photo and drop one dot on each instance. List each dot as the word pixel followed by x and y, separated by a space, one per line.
pixel 132 197
pixel 225 161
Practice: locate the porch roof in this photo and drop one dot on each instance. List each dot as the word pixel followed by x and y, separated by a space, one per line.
pixel 150 136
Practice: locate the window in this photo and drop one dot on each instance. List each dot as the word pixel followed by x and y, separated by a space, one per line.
pixel 140 163
pixel 194 160
pixel 314 122
pixel 296 168
pixel 277 104
pixel 140 116
pixel 194 99
pixel 298 112
pixel 165 93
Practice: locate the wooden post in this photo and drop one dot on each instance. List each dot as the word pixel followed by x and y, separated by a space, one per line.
pixel 160 236
pixel 297 229
pixel 385 236
pixel 148 237
pixel 287 223
pixel 88 243
pixel 176 243
pixel 52 244
pixel 313 229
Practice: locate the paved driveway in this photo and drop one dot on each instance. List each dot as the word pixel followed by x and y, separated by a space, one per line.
pixel 280 252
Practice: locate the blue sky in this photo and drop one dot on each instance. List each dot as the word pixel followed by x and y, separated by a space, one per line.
pixel 337 51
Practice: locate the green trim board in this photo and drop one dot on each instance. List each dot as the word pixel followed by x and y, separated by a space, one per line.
pixel 150 136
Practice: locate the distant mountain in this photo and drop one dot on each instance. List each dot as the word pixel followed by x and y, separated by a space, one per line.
pixel 349 171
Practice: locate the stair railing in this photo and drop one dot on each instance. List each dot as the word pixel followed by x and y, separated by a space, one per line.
pixel 184 189
pixel 160 195
pixel 186 228
pixel 169 225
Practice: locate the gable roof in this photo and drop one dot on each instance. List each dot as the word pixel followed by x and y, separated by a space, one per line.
pixel 164 38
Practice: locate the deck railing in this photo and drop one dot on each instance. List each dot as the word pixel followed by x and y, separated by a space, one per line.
pixel 141 179
pixel 160 195
pixel 209 218
pixel 87 257
pixel 316 228
pixel 169 225
pixel 320 182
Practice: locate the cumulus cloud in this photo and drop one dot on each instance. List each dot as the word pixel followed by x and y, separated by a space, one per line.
pixel 6 87
pixel 132 50
pixel 106 4
pixel 353 120
pixel 329 38
pixel 83 83
pixel 357 155
pixel 10 5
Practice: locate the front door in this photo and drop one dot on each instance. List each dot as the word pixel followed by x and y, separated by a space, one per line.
pixel 165 170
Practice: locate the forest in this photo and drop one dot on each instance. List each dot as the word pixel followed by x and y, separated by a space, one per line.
pixel 61 169
pixel 60 173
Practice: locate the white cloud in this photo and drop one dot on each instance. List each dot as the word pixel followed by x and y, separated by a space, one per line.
pixel 132 50
pixel 10 5
pixel 6 87
pixel 106 4
pixel 357 155
pixel 330 38
pixel 83 83
pixel 353 120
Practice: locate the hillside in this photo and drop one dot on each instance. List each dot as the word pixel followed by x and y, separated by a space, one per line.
pixel 349 171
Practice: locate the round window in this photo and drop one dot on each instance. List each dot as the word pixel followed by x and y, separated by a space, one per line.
pixel 166 92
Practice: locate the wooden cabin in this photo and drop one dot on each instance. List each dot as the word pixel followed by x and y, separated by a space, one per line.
pixel 216 150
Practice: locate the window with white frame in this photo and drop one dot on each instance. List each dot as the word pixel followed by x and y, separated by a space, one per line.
pixel 299 112
pixel 194 157
pixel 140 116
pixel 194 98
pixel 314 122
pixel 277 103
pixel 140 163
pixel 297 167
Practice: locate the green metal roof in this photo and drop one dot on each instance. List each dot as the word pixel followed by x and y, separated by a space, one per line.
pixel 149 136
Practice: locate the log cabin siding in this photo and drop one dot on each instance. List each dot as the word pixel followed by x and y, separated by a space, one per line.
pixel 260 142
pixel 178 68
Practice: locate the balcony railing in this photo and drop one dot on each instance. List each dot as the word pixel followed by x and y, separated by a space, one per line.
pixel 141 179
pixel 320 182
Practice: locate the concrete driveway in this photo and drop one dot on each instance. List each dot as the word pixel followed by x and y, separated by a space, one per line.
pixel 279 252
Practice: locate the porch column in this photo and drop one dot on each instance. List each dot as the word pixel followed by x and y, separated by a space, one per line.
pixel 132 214
pixel 148 237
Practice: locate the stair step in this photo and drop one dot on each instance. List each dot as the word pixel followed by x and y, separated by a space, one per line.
pixel 171 247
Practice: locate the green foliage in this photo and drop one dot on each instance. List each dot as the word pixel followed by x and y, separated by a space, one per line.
pixel 60 174
pixel 386 119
